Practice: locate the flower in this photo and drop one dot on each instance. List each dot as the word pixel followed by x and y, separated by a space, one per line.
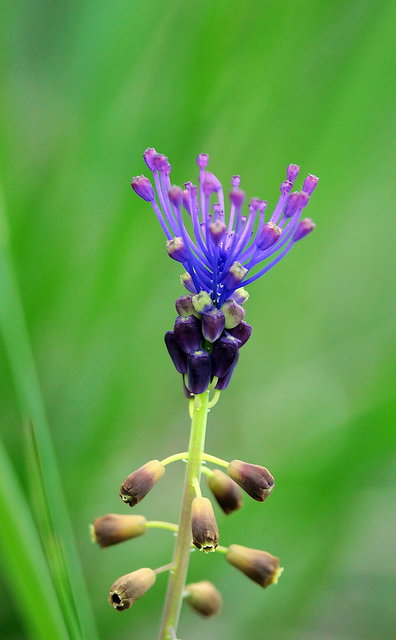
pixel 222 255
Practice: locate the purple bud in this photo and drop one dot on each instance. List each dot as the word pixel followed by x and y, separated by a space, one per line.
pixel 186 201
pixel 143 187
pixel 149 158
pixel 254 204
pixel 185 307
pixel 187 282
pixel 237 196
pixel 269 236
pixel 175 195
pixel 161 163
pixel 286 187
pixel 240 295
pixel 178 356
pixel 223 383
pixel 263 205
pixel 224 352
pixel 217 231
pixel 236 181
pixel 292 172
pixel 303 199
pixel 213 323
pixel 202 302
pixel 210 183
pixel 242 332
pixel 199 371
pixel 234 275
pixel 304 228
pixel 188 333
pixel 310 184
pixel 234 313
pixel 292 204
pixel 176 249
pixel 202 160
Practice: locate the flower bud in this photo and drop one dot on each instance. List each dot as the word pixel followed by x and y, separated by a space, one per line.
pixel 203 525
pixel 161 163
pixel 140 482
pixel 143 187
pixel 304 228
pixel 188 333
pixel 255 480
pixel 310 184
pixel 224 352
pixel 237 197
pixel 186 201
pixel 269 236
pixel 217 231
pixel 292 172
pixel 188 283
pixel 234 275
pixel 113 528
pixel 223 383
pixel 175 194
pixel 240 296
pixel 233 312
pixel 213 323
pixel 202 302
pixel 242 332
pixel 210 183
pixel 226 491
pixel 259 566
pixel 199 371
pixel 204 598
pixel 202 160
pixel 286 187
pixel 176 353
pixel 129 588
pixel 292 204
pixel 148 156
pixel 185 307
pixel 176 249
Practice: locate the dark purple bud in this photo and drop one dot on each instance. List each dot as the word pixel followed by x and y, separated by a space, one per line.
pixel 188 333
pixel 202 160
pixel 255 480
pixel 185 307
pixel 292 204
pixel 204 526
pixel 259 566
pixel 217 231
pixel 224 352
pixel 140 482
pixel 304 228
pixel 127 589
pixel 149 158
pixel 143 187
pixel 234 313
pixel 236 181
pixel 226 491
pixel 223 383
pixel 175 195
pixel 237 197
pixel 161 163
pixel 310 184
pixel 176 353
pixel 234 275
pixel 303 199
pixel 269 236
pixel 292 172
pixel 286 187
pixel 199 371
pixel 213 323
pixel 176 250
pixel 188 283
pixel 242 332
pixel 202 302
pixel 186 391
pixel 240 295
pixel 113 529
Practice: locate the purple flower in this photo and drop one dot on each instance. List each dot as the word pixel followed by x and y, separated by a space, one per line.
pixel 223 253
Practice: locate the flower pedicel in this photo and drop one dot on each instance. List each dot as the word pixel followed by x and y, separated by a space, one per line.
pixel 221 254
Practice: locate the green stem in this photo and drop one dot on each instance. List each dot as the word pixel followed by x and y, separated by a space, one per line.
pixel 181 556
pixel 209 458
pixel 159 524
pixel 175 457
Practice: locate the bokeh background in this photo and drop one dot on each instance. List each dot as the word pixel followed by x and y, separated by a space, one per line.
pixel 86 87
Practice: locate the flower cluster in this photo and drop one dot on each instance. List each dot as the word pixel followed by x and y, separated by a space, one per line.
pixel 221 256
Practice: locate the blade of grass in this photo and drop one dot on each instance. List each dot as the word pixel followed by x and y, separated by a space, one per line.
pixel 28 392
pixel 23 560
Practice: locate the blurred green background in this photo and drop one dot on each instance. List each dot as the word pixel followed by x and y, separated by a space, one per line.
pixel 86 87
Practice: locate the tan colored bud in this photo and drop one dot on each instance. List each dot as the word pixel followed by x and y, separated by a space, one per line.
pixel 140 482
pixel 259 566
pixel 204 526
pixel 204 598
pixel 113 528
pixel 255 480
pixel 127 589
pixel 226 491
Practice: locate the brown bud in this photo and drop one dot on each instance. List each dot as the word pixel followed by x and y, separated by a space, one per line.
pixel 127 589
pixel 113 528
pixel 204 526
pixel 259 566
pixel 226 491
pixel 140 482
pixel 255 480
pixel 204 598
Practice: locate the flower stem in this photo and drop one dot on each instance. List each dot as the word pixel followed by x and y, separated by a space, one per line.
pixel 181 556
